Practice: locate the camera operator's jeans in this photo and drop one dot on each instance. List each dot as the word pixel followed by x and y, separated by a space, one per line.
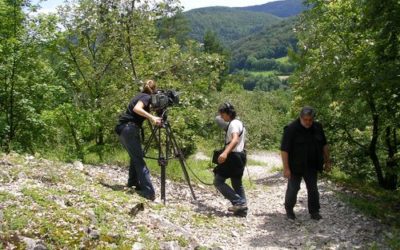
pixel 236 195
pixel 138 171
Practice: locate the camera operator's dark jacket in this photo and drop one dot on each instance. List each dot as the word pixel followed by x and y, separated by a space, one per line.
pixel 304 146
pixel 130 116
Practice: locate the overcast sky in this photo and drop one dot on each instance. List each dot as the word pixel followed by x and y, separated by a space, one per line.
pixel 50 5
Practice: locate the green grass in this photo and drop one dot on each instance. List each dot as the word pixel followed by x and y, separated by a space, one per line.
pixel 38 197
pixel 180 239
pixel 370 199
pixel 17 218
pixel 276 169
pixel 373 201
pixel 283 59
pixel 4 196
pixel 252 162
pixel 201 168
pixel 263 73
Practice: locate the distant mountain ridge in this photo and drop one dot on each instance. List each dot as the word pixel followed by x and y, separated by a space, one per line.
pixel 230 24
pixel 280 8
pixel 256 36
pixel 270 43
pixel 233 24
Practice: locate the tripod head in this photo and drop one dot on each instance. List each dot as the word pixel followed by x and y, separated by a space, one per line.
pixel 163 114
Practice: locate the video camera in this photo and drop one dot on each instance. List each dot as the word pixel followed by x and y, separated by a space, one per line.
pixel 164 98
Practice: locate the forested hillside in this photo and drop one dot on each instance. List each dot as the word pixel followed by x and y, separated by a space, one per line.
pixel 281 8
pixel 258 51
pixel 228 23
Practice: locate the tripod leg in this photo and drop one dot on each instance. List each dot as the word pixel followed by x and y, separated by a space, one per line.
pixel 163 171
pixel 162 162
pixel 148 142
pixel 182 161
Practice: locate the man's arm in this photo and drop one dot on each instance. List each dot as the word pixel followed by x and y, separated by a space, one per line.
pixel 235 140
pixel 285 161
pixel 285 148
pixel 327 159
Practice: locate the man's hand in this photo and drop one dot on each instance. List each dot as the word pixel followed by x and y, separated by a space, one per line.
pixel 285 162
pixel 286 173
pixel 222 158
pixel 328 166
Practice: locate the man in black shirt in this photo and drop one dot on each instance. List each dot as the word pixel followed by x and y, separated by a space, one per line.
pixel 304 152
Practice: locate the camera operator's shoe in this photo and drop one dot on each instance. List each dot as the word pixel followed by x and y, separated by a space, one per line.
pixel 133 184
pixel 316 216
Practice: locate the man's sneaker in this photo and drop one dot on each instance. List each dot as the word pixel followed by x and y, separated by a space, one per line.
pixel 241 213
pixel 290 215
pixel 237 208
pixel 316 216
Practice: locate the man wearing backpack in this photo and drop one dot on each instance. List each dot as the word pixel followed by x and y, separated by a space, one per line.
pixel 231 161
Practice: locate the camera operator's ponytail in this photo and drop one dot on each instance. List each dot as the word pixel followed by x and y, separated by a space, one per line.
pixel 149 87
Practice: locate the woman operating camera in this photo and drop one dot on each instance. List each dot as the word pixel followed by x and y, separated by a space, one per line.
pixel 128 129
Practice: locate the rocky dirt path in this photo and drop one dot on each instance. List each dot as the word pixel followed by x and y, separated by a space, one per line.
pixel 266 226
pixel 108 216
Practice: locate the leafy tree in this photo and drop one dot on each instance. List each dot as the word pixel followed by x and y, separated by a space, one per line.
pixel 25 74
pixel 173 24
pixel 212 43
pixel 348 60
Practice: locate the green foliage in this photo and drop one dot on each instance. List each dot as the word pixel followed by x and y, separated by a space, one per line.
pixel 77 70
pixel 284 8
pixel 368 198
pixel 83 67
pixel 258 51
pixel 229 24
pixel 264 115
pixel 172 23
pixel 348 61
pixel 212 44
pixel 263 81
pixel 254 48
pixel 24 87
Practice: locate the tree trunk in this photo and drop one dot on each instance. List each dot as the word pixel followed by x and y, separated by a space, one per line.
pixel 391 164
pixel 10 112
pixel 74 136
pixel 373 144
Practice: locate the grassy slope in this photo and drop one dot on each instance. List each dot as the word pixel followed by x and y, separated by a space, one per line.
pixel 88 207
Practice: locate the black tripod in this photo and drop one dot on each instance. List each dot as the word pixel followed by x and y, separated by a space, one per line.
pixel 171 151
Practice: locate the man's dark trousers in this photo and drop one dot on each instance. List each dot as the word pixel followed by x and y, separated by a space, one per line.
pixel 293 187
